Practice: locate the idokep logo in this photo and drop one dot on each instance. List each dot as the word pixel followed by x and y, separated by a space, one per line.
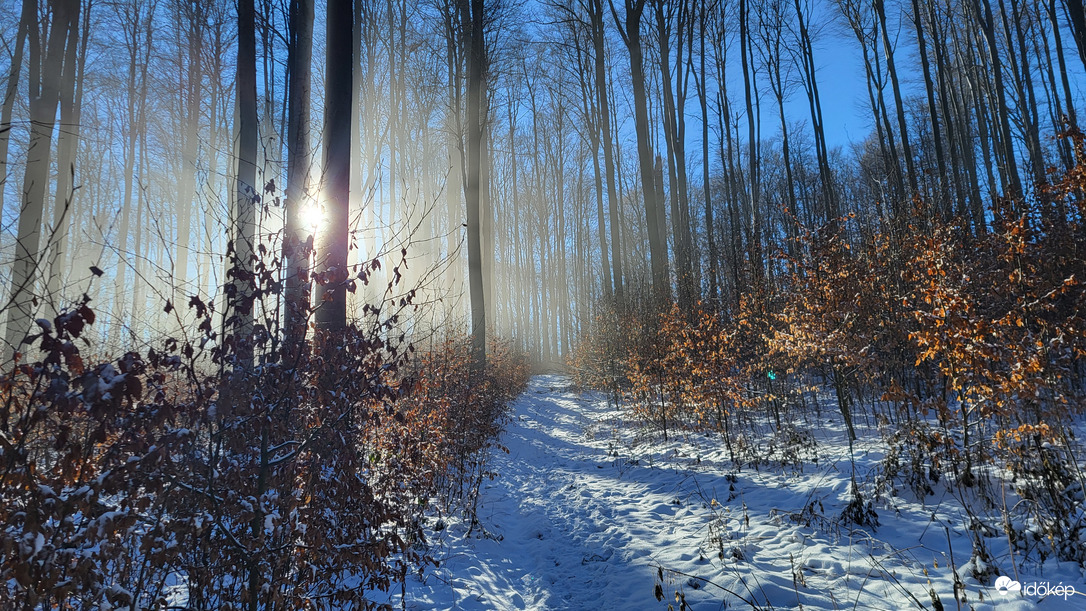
pixel 1005 585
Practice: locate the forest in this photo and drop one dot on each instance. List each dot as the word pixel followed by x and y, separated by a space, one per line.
pixel 274 270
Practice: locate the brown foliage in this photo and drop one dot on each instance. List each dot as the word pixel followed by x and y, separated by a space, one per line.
pixel 296 482
pixel 984 332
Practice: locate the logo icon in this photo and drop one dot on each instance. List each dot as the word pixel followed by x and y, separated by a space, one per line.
pixel 1005 585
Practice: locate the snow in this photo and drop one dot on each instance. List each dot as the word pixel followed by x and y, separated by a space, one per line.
pixel 588 508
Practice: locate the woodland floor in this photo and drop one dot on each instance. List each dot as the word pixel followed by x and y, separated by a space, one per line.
pixel 586 508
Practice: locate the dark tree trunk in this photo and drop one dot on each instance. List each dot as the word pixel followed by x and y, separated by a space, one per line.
pixel 332 243
pixel 246 191
pixel 297 243
pixel 631 35
pixel 606 141
pixel 473 13
pixel 943 199
pixel 28 17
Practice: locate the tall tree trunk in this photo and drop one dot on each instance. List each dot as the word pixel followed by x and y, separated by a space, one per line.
pixel 46 67
pixel 674 124
pixel 523 302
pixel 757 265
pixel 134 104
pixel 956 152
pixel 631 35
pixel 454 189
pixel 728 151
pixel 332 239
pixel 588 81
pixel 903 127
pixel 592 116
pixel 71 93
pixel 967 67
pixel 190 140
pixel 1027 95
pixel 814 101
pixel 1012 182
pixel 606 141
pixel 1061 62
pixel 771 30
pixel 943 200
pixel 246 193
pixel 473 12
pixel 701 83
pixel 486 210
pixel 298 238
pixel 1077 17
pixel 1057 39
pixel 26 19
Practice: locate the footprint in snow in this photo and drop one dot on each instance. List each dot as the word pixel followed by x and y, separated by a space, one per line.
pixel 604 557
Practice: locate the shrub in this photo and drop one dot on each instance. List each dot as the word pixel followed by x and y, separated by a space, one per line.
pixel 228 474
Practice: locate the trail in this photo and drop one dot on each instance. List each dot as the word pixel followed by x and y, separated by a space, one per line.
pixel 586 508
pixel 567 525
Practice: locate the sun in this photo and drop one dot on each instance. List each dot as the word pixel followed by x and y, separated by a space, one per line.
pixel 311 216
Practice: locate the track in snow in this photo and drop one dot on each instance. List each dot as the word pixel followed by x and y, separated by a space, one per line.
pixel 568 526
pixel 585 509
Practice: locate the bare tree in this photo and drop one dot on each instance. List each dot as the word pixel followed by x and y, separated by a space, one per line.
pixel 71 107
pixel 596 21
pixel 473 20
pixel 332 243
pixel 46 67
pixel 297 239
pixel 246 194
pixel 27 19
pixel 193 17
pixel 674 17
pixel 757 262
pixel 630 30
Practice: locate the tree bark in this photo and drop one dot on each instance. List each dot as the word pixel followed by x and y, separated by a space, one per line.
pixel 473 11
pixel 71 93
pixel 675 142
pixel 757 265
pixel 903 128
pixel 28 16
pixel 607 142
pixel 1077 17
pixel 298 238
pixel 814 101
pixel 332 240
pixel 190 140
pixel 631 35
pixel 246 193
pixel 701 84
pixel 47 65
pixel 943 200
pixel 1012 182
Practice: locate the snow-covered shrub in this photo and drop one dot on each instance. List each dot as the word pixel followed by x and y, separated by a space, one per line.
pixel 229 470
pixel 1049 519
pixel 916 456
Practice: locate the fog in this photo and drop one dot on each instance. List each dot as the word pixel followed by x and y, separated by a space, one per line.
pixel 626 154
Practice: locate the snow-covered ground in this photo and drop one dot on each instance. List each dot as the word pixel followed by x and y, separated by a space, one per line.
pixel 587 509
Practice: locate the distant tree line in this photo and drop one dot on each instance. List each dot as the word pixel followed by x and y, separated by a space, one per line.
pixel 534 160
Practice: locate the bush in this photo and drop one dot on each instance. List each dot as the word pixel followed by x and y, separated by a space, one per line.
pixel 226 476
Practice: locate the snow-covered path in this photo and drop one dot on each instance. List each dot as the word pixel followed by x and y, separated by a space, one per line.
pixel 584 510
pixel 568 526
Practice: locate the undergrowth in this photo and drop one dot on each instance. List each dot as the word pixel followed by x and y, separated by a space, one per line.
pixel 235 469
pixel 964 351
